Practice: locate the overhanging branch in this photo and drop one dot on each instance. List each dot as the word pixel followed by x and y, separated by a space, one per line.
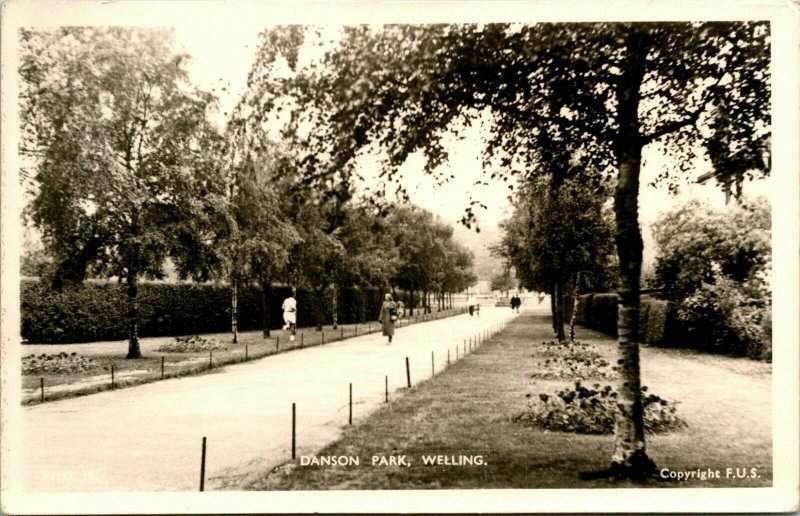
pixel 690 119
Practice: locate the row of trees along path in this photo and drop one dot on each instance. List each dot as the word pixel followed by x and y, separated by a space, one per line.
pixel 126 171
pixel 561 99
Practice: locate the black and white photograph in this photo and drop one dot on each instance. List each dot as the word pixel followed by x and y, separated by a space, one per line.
pixel 400 257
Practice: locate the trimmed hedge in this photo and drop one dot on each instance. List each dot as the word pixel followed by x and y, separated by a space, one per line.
pixel 603 313
pixel 657 322
pixel 97 311
pixel 659 326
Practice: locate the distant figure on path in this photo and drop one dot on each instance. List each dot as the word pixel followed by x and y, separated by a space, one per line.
pixel 290 315
pixel 471 303
pixel 387 317
pixel 401 308
pixel 515 303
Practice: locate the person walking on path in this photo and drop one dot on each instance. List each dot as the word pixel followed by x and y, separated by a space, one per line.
pixel 387 317
pixel 290 315
pixel 471 304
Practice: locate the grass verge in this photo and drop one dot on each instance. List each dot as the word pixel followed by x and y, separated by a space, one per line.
pixel 128 373
pixel 469 411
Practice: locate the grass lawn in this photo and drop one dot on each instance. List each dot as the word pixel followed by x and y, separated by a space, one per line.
pixel 469 410
pixel 250 345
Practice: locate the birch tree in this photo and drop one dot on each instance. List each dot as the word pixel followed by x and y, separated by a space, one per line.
pixel 121 160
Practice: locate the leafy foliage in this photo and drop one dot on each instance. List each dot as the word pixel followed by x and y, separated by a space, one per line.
pixel 97 311
pixel 261 236
pixel 429 259
pixel 115 141
pixel 601 313
pixel 36 263
pixel 697 244
pixel 657 321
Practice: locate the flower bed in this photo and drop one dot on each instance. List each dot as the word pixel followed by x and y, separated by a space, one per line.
pixel 591 411
pixel 191 344
pixel 56 363
pixel 574 349
pixel 574 368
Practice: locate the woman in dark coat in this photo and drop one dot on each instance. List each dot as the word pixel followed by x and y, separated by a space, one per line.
pixel 387 317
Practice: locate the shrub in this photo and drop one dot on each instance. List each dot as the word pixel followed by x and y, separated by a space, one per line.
pixel 727 317
pixel 591 411
pixel 697 242
pixel 718 277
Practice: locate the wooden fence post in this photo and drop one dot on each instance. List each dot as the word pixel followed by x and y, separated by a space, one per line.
pixel 294 431
pixel 203 466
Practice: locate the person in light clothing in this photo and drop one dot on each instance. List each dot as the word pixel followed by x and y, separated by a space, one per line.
pixel 471 303
pixel 388 317
pixel 290 315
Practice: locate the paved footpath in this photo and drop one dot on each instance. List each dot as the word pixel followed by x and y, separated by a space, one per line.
pixel 148 438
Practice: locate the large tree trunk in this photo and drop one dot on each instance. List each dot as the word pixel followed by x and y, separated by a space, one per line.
pixel 132 281
pixel 629 458
pixel 265 294
pixel 553 305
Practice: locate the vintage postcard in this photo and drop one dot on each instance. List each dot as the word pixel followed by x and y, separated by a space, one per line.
pixel 518 256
